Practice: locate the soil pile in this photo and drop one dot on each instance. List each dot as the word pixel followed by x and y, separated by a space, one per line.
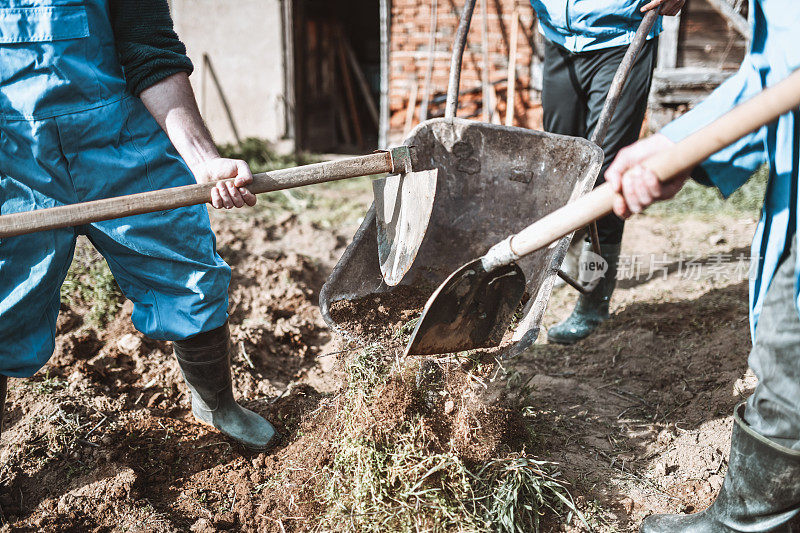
pixel 637 418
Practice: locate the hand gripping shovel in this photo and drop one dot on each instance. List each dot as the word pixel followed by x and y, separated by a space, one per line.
pixel 473 307
pixel 397 244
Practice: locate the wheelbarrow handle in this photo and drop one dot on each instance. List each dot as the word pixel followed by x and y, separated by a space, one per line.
pixel 396 161
pixel 621 76
pixel 760 110
pixel 457 58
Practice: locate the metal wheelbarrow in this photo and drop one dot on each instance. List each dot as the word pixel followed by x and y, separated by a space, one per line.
pixel 492 181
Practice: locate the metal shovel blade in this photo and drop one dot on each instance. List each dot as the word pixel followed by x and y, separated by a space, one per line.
pixel 403 206
pixel 471 309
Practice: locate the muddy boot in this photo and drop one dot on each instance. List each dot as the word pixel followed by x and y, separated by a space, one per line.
pixel 591 309
pixel 205 363
pixel 761 492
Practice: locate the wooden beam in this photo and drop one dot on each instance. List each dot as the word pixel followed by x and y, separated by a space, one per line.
pixel 512 69
pixel 668 43
pixel 683 78
pixel 737 22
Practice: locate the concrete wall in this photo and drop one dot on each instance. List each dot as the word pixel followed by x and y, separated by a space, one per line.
pixel 244 41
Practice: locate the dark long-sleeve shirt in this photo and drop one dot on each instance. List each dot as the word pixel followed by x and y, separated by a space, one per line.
pixel 149 49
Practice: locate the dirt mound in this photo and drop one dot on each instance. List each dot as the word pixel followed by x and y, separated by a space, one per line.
pixel 637 417
pixel 379 318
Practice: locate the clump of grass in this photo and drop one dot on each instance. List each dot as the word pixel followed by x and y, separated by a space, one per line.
pixel 405 480
pixel 47 384
pixel 399 486
pixel 695 198
pixel 90 282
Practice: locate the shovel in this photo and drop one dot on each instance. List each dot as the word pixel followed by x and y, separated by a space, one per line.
pixel 474 306
pixel 398 238
pixel 490 178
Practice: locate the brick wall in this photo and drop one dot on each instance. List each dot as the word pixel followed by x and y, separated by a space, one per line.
pixel 410 53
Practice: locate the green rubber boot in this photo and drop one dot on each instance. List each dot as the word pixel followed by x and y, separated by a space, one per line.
pixel 761 492
pixel 205 363
pixel 591 309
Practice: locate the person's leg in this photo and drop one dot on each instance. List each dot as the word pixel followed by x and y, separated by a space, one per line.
pixel 626 123
pixel 564 112
pixel 166 263
pixel 564 101
pixel 774 408
pixel 599 68
pixel 33 175
pixel 761 492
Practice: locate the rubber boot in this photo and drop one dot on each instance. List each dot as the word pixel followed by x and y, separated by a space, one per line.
pixel 591 309
pixel 205 363
pixel 761 492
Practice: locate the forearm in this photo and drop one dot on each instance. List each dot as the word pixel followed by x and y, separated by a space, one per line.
pixel 172 103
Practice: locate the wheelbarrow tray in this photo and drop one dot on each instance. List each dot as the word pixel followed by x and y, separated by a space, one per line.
pixel 493 181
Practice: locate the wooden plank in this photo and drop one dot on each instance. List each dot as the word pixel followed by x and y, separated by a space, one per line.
pixel 688 77
pixel 485 75
pixel 385 22
pixel 736 21
pixel 412 107
pixel 348 86
pixel 668 43
pixel 512 70
pixel 369 100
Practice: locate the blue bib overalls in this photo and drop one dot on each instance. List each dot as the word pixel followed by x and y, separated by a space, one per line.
pixel 70 132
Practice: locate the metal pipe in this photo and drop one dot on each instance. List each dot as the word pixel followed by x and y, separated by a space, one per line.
pixel 383 129
pixel 458 56
pixel 572 282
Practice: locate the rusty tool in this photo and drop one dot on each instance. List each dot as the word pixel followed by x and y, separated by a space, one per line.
pixel 474 306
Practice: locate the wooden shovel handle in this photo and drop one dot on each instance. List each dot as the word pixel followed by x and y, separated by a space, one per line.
pixel 164 199
pixel 677 160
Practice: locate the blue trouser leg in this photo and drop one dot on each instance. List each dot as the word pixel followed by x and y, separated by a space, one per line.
pixel 166 263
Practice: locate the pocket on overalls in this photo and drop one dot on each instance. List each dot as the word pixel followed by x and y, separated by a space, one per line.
pixel 43 23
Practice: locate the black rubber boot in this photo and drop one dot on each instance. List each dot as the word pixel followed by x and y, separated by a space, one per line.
pixel 591 309
pixel 205 363
pixel 761 492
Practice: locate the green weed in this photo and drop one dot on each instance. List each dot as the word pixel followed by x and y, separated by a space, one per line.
pixel 326 205
pixel 406 481
pixel 261 157
pixel 698 199
pixel 90 282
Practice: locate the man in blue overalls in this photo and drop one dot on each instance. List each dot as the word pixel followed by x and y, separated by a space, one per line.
pixel 95 102
pixel 585 41
pixel 761 491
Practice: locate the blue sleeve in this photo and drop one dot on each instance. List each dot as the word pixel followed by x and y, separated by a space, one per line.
pixel 731 167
